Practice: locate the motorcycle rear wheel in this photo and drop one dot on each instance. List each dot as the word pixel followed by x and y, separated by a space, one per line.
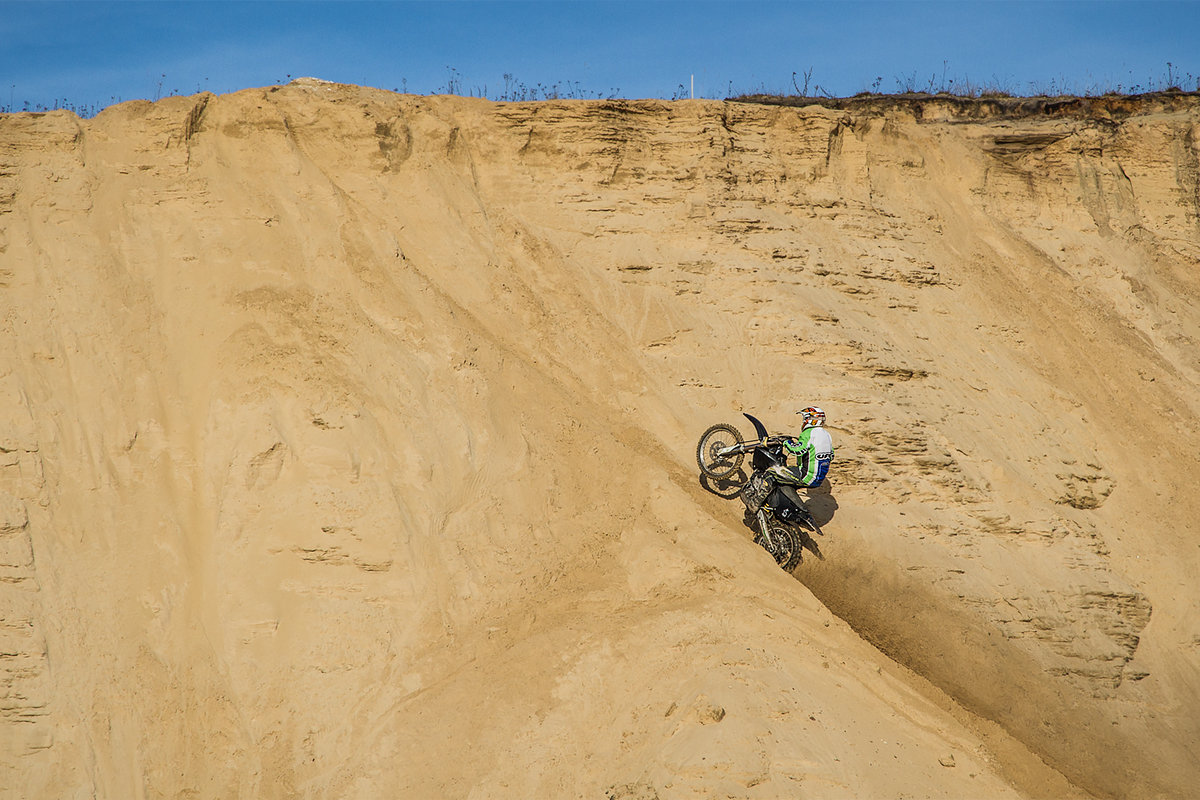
pixel 712 441
pixel 785 545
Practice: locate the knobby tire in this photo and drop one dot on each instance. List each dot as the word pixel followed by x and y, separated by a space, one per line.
pixel 718 436
pixel 787 550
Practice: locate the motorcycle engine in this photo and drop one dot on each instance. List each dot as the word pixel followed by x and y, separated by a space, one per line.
pixel 755 491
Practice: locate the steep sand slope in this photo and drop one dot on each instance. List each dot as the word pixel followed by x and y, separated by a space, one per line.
pixel 346 444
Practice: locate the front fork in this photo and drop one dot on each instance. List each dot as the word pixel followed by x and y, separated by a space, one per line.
pixel 764 529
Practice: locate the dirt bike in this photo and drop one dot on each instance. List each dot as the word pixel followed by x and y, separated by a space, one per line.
pixel 778 515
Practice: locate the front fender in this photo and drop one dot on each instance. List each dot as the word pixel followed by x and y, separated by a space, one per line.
pixel 759 428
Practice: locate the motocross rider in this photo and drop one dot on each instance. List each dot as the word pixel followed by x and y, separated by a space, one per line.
pixel 813 450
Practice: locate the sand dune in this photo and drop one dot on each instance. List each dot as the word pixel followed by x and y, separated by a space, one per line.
pixel 346 448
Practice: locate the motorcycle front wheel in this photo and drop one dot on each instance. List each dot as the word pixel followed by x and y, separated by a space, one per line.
pixel 712 442
pixel 784 544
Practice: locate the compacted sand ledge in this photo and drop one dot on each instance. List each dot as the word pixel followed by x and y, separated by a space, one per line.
pixel 346 449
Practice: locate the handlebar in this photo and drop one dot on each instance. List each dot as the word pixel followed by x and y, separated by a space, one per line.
pixel 743 447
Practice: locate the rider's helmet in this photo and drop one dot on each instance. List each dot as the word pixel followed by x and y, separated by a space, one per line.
pixel 813 417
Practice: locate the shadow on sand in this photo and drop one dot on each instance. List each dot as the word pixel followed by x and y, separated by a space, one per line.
pixel 821 503
pixel 821 507
pixel 725 488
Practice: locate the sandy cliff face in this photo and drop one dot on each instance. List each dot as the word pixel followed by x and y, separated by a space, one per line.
pixel 346 449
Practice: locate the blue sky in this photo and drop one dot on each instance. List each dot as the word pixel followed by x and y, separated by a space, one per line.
pixel 91 54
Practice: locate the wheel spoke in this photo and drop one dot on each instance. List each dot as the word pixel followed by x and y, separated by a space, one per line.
pixel 709 452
